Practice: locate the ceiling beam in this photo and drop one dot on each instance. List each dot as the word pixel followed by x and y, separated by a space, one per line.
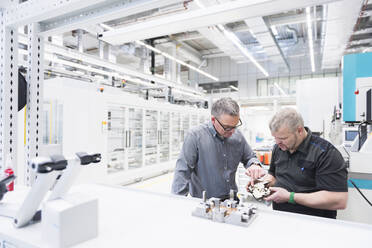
pixel 37 11
pixel 110 11
pixel 183 50
pixel 194 19
pixel 341 19
pixel 223 43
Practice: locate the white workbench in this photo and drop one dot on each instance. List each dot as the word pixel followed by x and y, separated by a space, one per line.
pixel 133 218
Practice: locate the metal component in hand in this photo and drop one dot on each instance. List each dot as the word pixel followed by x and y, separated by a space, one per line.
pixel 259 190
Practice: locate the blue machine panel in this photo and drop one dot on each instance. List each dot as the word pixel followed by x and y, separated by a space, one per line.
pixel 354 66
pixel 360 183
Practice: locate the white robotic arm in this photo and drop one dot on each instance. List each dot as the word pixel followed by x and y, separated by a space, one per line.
pixel 72 171
pixel 46 174
pixel 47 171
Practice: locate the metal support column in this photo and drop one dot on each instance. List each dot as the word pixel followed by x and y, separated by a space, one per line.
pixel 35 76
pixel 152 69
pixel 80 44
pixel 8 92
pixel 101 46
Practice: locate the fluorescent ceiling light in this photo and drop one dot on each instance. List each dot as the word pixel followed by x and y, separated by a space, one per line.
pixel 234 88
pixel 148 46
pixel 310 38
pixel 52 48
pixel 200 5
pixel 275 31
pixel 107 27
pixel 117 70
pixel 234 39
pixel 242 49
pixel 177 60
pixel 280 89
pixel 167 55
pixel 188 94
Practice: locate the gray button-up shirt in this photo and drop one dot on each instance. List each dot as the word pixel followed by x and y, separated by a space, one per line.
pixel 209 162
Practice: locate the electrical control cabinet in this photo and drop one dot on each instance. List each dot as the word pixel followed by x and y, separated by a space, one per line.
pixel 164 136
pixel 175 134
pixel 147 136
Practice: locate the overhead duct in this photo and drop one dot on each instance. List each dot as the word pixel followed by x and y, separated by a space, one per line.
pixel 99 13
pixel 264 36
pixel 223 43
pixel 216 37
pixel 103 67
pixel 294 34
pixel 194 19
pixel 228 42
pixel 183 50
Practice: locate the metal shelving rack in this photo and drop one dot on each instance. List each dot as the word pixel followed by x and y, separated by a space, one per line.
pixel 46 19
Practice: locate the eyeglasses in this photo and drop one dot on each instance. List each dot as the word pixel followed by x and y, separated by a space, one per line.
pixel 228 129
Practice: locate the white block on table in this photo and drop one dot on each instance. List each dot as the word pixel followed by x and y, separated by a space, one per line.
pixel 70 220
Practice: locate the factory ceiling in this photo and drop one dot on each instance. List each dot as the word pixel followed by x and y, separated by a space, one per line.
pixel 194 31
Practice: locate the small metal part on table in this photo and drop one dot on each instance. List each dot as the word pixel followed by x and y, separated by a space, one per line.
pixel 228 211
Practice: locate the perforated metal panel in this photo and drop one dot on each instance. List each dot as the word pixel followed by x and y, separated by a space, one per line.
pixel 35 76
pixel 8 92
pixel 2 62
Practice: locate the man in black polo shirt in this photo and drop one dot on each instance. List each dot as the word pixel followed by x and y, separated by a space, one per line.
pixel 307 173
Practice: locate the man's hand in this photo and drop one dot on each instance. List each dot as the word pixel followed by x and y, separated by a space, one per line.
pixel 278 195
pixel 254 172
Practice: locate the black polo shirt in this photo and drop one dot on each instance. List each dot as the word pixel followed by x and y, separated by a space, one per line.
pixel 315 165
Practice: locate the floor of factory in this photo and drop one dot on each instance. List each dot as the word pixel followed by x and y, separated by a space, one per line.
pixel 159 184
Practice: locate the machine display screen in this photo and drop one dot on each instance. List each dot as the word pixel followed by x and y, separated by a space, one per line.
pixel 350 135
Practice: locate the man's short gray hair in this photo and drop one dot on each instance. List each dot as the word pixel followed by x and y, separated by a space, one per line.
pixel 225 106
pixel 286 116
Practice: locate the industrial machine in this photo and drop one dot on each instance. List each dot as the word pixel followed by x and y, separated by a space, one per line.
pixel 349 134
pixel 360 151
pixel 363 93
pixel 356 144
pixel 358 139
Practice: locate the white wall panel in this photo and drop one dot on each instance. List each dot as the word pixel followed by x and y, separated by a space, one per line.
pixel 255 123
pixel 233 69
pixel 316 99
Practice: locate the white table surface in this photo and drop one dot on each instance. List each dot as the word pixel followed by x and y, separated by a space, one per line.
pixel 134 218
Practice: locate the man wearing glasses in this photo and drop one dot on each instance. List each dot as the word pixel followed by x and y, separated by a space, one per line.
pixel 211 154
